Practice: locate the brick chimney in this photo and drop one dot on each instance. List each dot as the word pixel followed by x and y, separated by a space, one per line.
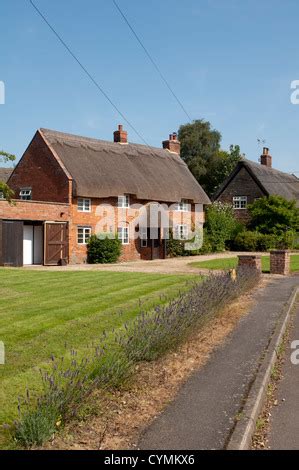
pixel 266 158
pixel 121 136
pixel 173 145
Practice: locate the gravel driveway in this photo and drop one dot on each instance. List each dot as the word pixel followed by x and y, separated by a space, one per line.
pixel 163 266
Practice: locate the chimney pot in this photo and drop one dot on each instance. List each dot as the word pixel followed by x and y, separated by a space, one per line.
pixel 120 136
pixel 266 159
pixel 173 145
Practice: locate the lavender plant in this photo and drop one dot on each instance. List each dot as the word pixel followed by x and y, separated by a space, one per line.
pixel 153 334
pixel 69 381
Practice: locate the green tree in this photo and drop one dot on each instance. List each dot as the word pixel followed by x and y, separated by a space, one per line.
pixel 4 189
pixel 200 149
pixel 221 167
pixel 274 215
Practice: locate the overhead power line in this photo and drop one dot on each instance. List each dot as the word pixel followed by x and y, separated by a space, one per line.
pixel 154 63
pixel 89 75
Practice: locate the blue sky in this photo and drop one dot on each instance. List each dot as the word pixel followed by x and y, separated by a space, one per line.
pixel 229 61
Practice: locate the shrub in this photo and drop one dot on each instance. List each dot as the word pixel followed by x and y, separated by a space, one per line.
pixel 103 249
pixel 266 242
pixel 175 247
pixel 274 215
pixel 255 241
pixel 246 241
pixel 207 246
pixel 220 225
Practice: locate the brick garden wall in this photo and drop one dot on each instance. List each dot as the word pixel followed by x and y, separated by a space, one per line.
pixel 35 211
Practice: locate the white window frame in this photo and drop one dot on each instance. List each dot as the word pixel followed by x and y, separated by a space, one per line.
pixel 26 194
pixel 123 201
pixel 124 235
pixel 182 231
pixel 240 202
pixel 84 236
pixel 84 204
pixel 183 206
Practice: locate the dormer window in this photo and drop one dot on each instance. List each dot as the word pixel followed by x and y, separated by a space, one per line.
pixel 26 194
pixel 123 202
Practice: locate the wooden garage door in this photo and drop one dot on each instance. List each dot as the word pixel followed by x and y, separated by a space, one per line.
pixel 11 241
pixel 56 243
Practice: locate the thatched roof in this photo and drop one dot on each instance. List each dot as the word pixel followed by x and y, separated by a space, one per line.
pixel 5 174
pixel 271 181
pixel 103 169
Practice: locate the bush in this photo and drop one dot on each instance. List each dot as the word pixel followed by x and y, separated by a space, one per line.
pixel 207 246
pixel 246 241
pixel 220 225
pixel 255 241
pixel 274 215
pixel 103 249
pixel 175 247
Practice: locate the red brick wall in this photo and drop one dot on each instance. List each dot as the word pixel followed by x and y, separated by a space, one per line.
pixel 130 252
pixel 39 170
pixel 242 185
pixel 35 211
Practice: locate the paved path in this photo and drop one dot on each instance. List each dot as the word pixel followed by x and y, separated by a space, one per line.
pixel 284 424
pixel 164 266
pixel 202 415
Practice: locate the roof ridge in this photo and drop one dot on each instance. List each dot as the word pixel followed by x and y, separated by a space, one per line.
pixel 81 138
pixel 270 169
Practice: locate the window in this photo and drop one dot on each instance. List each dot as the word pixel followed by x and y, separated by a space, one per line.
pixel 84 234
pixel 182 232
pixel 143 237
pixel 84 205
pixel 123 202
pixel 123 235
pixel 240 202
pixel 182 206
pixel 26 194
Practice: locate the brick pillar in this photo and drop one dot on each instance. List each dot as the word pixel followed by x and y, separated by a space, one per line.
pixel 280 262
pixel 251 261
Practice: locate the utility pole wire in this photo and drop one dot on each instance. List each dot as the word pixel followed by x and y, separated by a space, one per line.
pixel 88 73
pixel 152 60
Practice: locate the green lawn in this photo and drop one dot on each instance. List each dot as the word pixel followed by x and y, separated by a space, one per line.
pixel 230 263
pixel 41 312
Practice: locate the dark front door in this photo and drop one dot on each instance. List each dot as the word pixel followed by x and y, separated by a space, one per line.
pixel 56 243
pixel 155 242
pixel 11 241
